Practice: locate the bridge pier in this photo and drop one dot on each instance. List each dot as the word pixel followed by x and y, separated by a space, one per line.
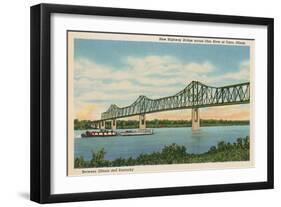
pixel 94 125
pixel 195 118
pixel 142 122
pixel 113 124
pixel 102 125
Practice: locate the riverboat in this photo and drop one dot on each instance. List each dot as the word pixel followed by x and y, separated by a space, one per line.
pixel 100 133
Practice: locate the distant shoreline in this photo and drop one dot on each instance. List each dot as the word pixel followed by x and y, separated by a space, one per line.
pixel 131 124
pixel 203 126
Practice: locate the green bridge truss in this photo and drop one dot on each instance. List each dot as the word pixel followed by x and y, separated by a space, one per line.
pixel 194 95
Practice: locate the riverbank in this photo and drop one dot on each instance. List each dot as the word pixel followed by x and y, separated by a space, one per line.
pixel 173 154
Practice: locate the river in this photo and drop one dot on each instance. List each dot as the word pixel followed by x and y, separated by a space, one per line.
pixel 198 141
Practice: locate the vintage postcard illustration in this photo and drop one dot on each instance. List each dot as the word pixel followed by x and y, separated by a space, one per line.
pixel 155 103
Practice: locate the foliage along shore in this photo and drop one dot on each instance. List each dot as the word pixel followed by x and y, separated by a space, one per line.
pixel 130 124
pixel 173 154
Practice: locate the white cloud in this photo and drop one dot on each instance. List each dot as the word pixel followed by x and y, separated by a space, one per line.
pixel 153 76
pixel 243 74
pixel 168 65
pixel 206 67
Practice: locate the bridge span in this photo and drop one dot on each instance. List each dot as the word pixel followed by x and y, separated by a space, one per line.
pixel 194 96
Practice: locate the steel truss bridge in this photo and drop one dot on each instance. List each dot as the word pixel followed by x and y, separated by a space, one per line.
pixel 194 96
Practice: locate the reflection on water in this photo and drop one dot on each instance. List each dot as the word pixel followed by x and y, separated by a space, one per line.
pixel 198 141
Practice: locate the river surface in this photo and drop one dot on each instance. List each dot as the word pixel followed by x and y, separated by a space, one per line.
pixel 198 141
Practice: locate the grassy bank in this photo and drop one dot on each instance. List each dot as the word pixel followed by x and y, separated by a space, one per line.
pixel 173 154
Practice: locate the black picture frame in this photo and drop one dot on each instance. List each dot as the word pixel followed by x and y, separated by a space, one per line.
pixel 40 176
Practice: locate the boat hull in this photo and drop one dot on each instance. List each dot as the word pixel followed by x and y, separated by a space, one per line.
pixel 98 134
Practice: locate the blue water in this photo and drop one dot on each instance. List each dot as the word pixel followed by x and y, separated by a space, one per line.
pixel 198 141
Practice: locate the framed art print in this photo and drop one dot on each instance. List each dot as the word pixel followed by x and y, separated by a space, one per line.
pixel 133 103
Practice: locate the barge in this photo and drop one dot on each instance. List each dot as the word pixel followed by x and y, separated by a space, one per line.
pixel 136 132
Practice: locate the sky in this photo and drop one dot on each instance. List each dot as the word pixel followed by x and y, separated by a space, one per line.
pixel 117 72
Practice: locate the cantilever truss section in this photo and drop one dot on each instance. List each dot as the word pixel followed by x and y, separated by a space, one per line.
pixel 195 95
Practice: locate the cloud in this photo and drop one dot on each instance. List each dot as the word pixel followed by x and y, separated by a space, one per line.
pixel 243 74
pixel 153 76
pixel 165 65
pixel 206 67
pixel 85 113
pixel 235 112
pixel 149 71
